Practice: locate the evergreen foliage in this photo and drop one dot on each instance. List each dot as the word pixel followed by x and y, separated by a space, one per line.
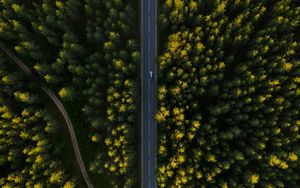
pixel 87 52
pixel 28 155
pixel 229 94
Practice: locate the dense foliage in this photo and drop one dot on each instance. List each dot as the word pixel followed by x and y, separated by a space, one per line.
pixel 87 52
pixel 229 94
pixel 28 157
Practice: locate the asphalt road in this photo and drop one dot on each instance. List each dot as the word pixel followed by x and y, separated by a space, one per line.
pixel 61 109
pixel 149 88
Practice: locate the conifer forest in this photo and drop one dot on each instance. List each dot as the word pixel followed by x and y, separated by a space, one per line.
pixel 227 87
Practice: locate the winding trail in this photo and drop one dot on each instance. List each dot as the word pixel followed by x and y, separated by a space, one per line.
pixel 61 109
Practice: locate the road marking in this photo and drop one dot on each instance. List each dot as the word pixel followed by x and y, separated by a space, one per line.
pixel 149 69
pixel 149 167
pixel 149 156
pixel 149 102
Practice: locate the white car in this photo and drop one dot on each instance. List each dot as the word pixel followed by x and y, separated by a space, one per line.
pixel 151 74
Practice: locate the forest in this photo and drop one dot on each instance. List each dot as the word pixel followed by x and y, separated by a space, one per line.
pixel 229 94
pixel 88 53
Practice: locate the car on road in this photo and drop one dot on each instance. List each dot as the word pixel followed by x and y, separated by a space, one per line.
pixel 151 74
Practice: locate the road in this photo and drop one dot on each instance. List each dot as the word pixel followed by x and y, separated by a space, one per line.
pixel 61 109
pixel 149 88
